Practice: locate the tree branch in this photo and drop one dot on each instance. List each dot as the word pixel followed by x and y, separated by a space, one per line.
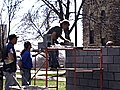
pixel 67 10
pixel 77 16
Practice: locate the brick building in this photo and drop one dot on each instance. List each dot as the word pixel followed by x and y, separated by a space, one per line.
pixel 101 22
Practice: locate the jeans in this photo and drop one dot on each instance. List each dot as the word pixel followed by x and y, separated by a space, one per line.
pixel 9 80
pixel 53 60
pixel 26 77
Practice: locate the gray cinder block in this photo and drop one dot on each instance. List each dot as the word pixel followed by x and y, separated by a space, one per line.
pixel 114 85
pixel 117 59
pixel 107 59
pixel 114 67
pixel 113 51
pixel 117 76
pixel 88 59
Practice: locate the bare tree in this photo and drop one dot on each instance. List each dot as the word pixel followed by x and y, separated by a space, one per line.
pixel 9 10
pixel 40 16
pixel 63 12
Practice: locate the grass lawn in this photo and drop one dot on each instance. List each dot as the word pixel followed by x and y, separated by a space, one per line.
pixel 41 83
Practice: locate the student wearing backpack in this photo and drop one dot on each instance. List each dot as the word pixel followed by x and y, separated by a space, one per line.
pixel 9 67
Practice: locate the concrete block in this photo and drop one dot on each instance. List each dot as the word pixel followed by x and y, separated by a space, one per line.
pixel 105 84
pixel 114 85
pixel 79 88
pixel 79 60
pixel 82 53
pixel 96 59
pixel 87 88
pixel 91 53
pixel 88 75
pixel 117 76
pixel 70 59
pixel 96 75
pixel 69 53
pixel 117 59
pixel 68 65
pixel 105 67
pixel 88 59
pixel 69 87
pixel 96 88
pixel 107 59
pixel 71 73
pixel 114 67
pixel 80 75
pixel 92 83
pixel 113 51
pixel 77 82
pixel 92 65
pixel 98 53
pixel 104 51
pixel 70 81
pixel 83 65
pixel 108 76
pixel 103 89
pixel 84 82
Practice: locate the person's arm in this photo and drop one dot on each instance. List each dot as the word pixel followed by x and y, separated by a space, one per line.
pixel 10 56
pixel 54 37
pixel 65 40
pixel 20 65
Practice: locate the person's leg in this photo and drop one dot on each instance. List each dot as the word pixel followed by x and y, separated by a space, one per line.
pixel 54 59
pixel 26 76
pixel 9 80
pixel 57 54
pixel 50 59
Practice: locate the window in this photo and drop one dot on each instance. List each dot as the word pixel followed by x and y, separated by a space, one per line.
pixel 103 41
pixel 91 37
pixel 103 14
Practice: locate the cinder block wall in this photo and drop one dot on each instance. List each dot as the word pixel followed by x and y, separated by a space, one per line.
pixel 90 59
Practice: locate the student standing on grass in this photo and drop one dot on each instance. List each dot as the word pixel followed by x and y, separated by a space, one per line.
pixel 26 64
pixel 9 57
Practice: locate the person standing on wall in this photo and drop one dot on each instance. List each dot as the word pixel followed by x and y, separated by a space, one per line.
pixel 56 33
pixel 9 67
pixel 26 64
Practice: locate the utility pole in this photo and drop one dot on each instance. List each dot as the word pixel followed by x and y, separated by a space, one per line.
pixel 75 23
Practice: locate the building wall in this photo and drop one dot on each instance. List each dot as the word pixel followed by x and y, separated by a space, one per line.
pixel 103 18
pixel 91 59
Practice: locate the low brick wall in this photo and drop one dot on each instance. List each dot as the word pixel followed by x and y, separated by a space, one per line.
pixel 91 59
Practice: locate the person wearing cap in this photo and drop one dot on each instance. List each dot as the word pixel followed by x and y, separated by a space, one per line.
pixel 9 67
pixel 56 32
pixel 109 43
pixel 26 64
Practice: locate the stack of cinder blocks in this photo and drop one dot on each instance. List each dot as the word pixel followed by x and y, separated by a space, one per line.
pixel 91 59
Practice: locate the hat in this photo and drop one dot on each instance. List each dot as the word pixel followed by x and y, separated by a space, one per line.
pixel 12 36
pixel 65 21
pixel 109 42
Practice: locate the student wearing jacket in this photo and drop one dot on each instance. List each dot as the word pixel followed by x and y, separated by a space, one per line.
pixel 26 64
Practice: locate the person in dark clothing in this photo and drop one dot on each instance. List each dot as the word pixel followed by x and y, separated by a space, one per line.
pixel 26 64
pixel 56 32
pixel 9 67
